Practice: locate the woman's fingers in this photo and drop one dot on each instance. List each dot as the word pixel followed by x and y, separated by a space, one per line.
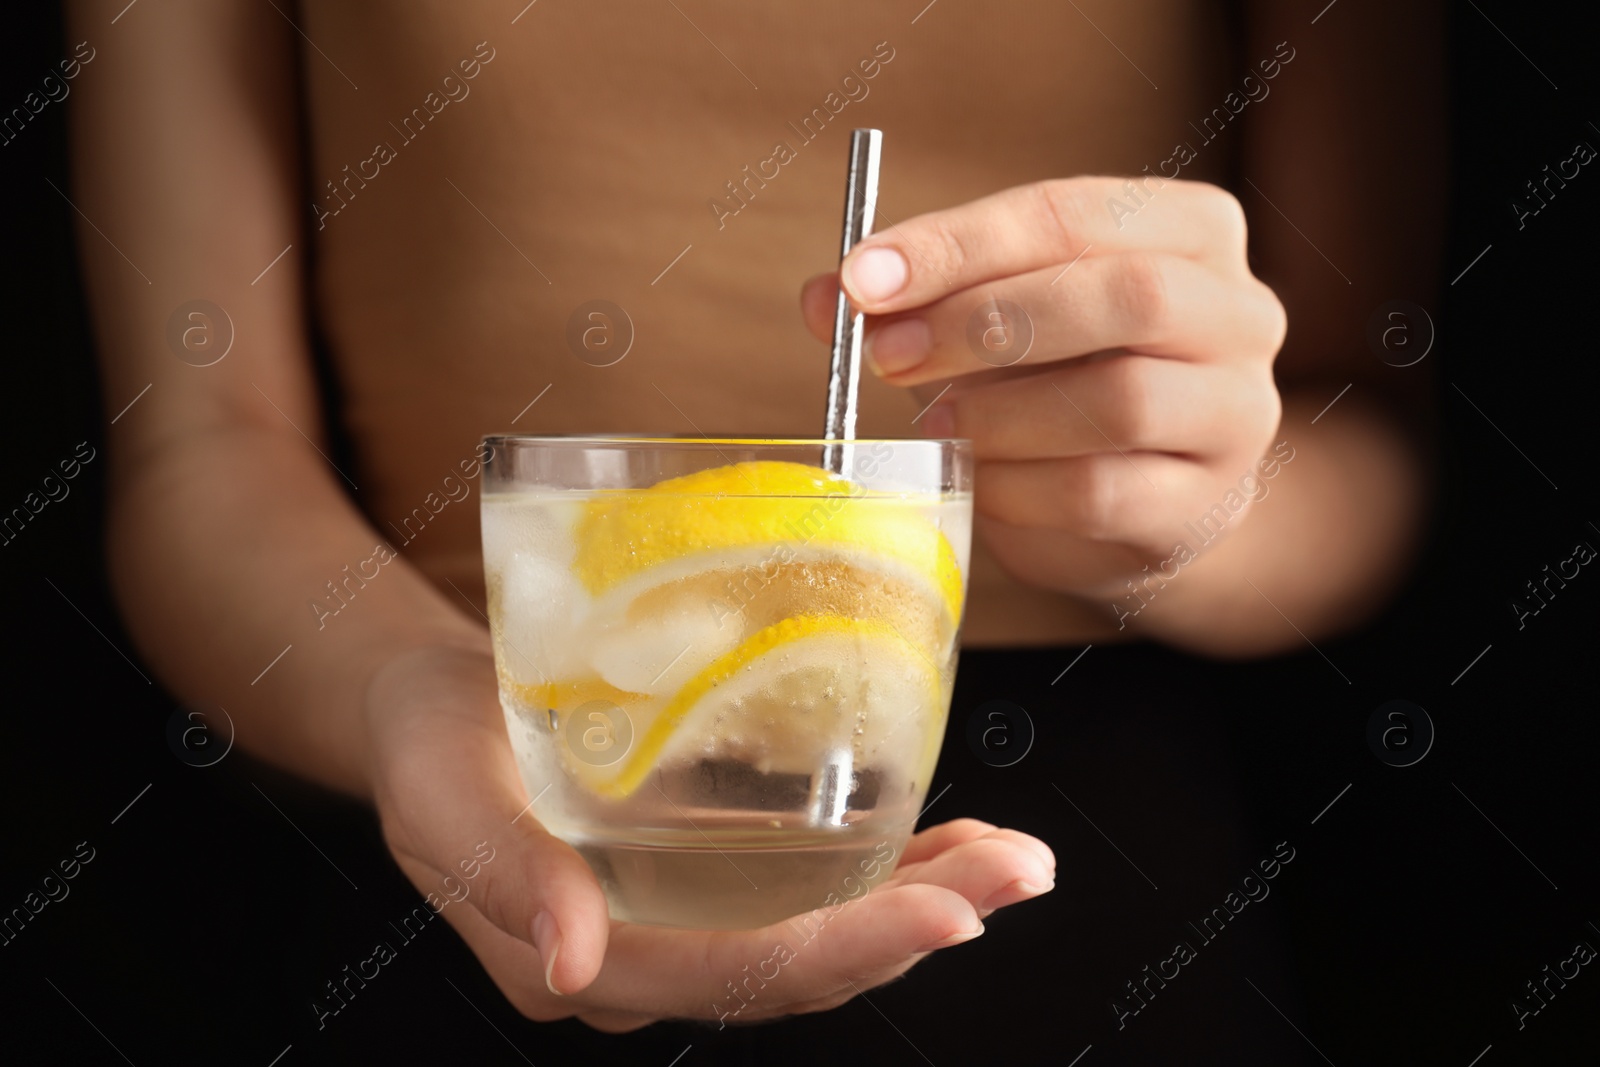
pixel 990 872
pixel 1032 844
pixel 535 888
pixel 1057 560
pixel 615 1022
pixel 1124 403
pixel 808 962
pixel 1162 305
pixel 450 796
pixel 819 298
pixel 1128 498
pixel 936 839
pixel 865 941
pixel 655 972
pixel 515 968
pixel 1031 227
pixel 933 903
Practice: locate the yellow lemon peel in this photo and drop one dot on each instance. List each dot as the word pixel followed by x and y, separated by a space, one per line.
pixel 649 746
pixel 623 533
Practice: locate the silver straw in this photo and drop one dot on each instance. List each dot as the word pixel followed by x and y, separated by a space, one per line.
pixel 844 381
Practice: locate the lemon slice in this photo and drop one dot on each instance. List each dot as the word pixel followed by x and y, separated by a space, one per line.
pixel 561 696
pixel 752 515
pixel 788 695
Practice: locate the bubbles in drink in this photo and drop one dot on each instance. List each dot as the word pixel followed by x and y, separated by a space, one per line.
pixel 730 687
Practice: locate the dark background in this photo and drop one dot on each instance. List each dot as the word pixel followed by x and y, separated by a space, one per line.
pixel 1400 933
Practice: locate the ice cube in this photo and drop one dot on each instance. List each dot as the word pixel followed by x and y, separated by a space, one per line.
pixel 661 651
pixel 541 608
pixel 527 523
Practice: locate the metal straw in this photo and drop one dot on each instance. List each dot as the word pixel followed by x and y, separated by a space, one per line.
pixel 844 381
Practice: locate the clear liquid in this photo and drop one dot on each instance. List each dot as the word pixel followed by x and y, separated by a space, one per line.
pixel 736 881
pixel 791 783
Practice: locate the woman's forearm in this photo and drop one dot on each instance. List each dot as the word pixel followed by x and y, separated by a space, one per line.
pixel 225 522
pixel 219 547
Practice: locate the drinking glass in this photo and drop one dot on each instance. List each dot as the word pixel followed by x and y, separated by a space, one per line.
pixel 726 670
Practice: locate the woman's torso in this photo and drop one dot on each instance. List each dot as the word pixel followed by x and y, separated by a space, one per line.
pixel 584 156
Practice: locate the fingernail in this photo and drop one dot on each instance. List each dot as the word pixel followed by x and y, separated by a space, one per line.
pixel 939 421
pixel 1013 893
pixel 898 346
pixel 876 274
pixel 547 939
pixel 953 939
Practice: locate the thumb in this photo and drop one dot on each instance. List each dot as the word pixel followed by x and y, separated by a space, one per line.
pixel 819 298
pixel 456 814
pixel 538 889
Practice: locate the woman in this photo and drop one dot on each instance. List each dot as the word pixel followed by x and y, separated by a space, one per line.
pixel 433 189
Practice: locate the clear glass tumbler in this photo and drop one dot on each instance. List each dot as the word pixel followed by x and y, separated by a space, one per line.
pixel 725 670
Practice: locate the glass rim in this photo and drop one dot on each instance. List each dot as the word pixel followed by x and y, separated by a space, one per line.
pixel 498 439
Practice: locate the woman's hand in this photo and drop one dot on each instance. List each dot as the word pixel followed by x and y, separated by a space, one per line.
pixel 445 781
pixel 1122 386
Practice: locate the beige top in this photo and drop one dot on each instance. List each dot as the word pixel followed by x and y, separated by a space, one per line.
pixel 472 195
